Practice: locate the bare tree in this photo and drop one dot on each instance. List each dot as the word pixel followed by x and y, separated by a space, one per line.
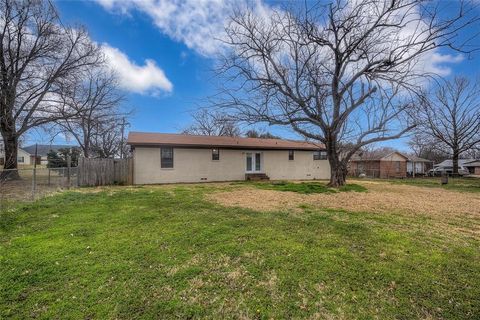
pixel 344 74
pixel 109 140
pixel 451 116
pixel 210 123
pixel 95 101
pixel 427 147
pixel 38 57
pixel 252 133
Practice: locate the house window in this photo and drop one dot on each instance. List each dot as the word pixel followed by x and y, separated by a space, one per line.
pixel 319 155
pixel 291 155
pixel 166 157
pixel 215 154
pixel 397 166
pixel 257 161
pixel 21 159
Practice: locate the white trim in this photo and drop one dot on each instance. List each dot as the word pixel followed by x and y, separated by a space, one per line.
pixel 253 153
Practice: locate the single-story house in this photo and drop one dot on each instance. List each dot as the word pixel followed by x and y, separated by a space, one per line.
pixel 26 155
pixel 462 165
pixel 43 150
pixel 170 158
pixel 473 167
pixel 379 164
pixel 23 157
pixel 387 164
pixel 418 166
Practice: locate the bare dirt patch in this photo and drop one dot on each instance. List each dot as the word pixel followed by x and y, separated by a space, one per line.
pixel 381 197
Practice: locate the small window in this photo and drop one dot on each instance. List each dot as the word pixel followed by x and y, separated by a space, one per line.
pixel 319 155
pixel 215 154
pixel 397 166
pixel 166 157
pixel 291 155
pixel 21 159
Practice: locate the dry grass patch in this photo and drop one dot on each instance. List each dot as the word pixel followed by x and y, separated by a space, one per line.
pixel 380 198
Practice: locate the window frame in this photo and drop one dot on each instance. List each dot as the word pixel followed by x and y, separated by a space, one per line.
pixel 398 167
pixel 320 155
pixel 291 155
pixel 165 162
pixel 22 159
pixel 217 154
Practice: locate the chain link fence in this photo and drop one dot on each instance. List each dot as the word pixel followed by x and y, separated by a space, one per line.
pixel 29 184
pixel 386 174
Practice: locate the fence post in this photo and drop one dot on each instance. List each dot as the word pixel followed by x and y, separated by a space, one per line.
pixel 34 182
pixel 69 163
pixel 34 178
pixel 49 177
pixel 79 166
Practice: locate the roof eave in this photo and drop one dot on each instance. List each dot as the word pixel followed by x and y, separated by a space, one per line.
pixel 207 146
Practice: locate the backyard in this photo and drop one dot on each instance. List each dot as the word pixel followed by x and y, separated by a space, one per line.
pixel 375 249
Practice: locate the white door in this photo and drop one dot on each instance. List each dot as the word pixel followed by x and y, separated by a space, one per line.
pixel 253 162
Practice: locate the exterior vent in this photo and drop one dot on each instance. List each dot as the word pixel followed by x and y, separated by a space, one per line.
pixel 203 179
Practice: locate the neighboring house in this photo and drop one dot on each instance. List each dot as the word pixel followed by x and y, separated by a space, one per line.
pixel 170 158
pixel 387 164
pixel 473 167
pixel 26 155
pixel 418 166
pixel 23 157
pixel 467 165
pixel 43 150
pixel 379 164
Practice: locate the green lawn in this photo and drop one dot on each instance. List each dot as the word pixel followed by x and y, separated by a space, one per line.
pixel 165 252
pixel 304 187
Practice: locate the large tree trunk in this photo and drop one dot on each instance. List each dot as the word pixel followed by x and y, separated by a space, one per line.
pixel 338 175
pixel 10 171
pixel 455 162
pixel 338 168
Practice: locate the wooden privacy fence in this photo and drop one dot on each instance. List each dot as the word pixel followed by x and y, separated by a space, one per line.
pixel 102 172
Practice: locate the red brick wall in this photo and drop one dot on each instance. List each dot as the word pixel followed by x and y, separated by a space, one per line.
pixel 379 169
pixel 370 168
pixel 390 169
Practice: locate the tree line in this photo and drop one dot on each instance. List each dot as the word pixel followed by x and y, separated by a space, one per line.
pixel 347 74
pixel 350 74
pixel 53 76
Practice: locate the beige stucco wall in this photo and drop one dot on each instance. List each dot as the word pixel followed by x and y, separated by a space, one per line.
pixel 303 167
pixel 26 157
pixel 196 165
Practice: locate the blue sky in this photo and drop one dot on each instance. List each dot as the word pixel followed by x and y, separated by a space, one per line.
pixel 164 53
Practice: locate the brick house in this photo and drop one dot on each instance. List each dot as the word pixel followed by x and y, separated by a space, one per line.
pixel 378 164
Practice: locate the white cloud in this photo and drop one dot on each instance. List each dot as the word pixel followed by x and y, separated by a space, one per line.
pixel 200 23
pixel 435 63
pixel 147 78
pixel 196 23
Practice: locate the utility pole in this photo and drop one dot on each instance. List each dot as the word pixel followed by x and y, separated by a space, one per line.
pixel 122 138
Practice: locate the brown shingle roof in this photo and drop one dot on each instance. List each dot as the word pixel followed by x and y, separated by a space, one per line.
pixel 374 155
pixel 475 163
pixel 184 140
